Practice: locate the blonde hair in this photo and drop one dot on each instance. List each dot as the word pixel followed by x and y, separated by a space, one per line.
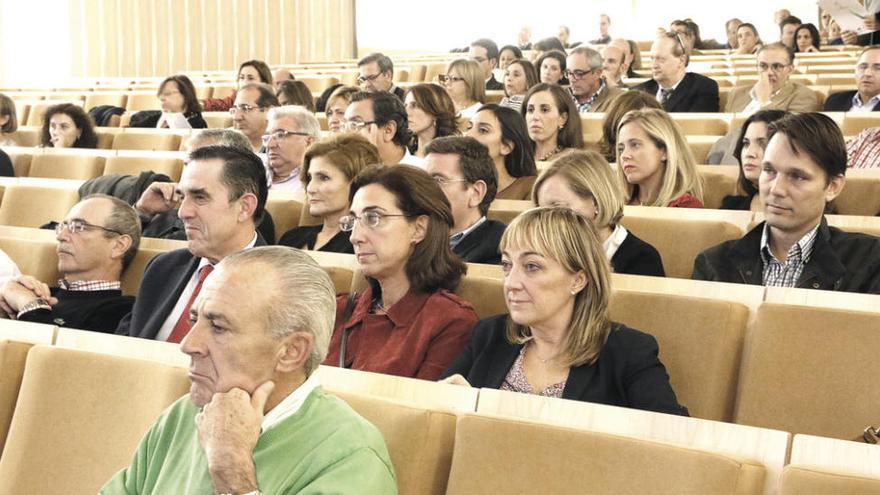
pixel 571 240
pixel 474 78
pixel 680 174
pixel 590 177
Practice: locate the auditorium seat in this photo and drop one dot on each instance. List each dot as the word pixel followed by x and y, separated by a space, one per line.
pixel 810 370
pixel 35 257
pixel 104 98
pixel 484 293
pixel 79 418
pixel 27 136
pixel 38 111
pixel 155 141
pixel 141 101
pixel 217 120
pixel 860 196
pixel 718 182
pixel 700 146
pixel 133 165
pixel 854 122
pixel 318 84
pixel 66 165
pixel 106 136
pixel 21 159
pixel 155 351
pixel 505 210
pixel 33 206
pixel 131 278
pixel 706 124
pixel 285 209
pixel 810 480
pixel 826 466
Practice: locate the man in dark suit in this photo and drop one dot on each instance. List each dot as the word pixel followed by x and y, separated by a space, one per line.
pixel 466 174
pixel 485 52
pixel 675 88
pixel 867 97
pixel 222 197
pixel 376 73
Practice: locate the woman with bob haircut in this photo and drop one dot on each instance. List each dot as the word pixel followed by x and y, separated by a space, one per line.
pixel 503 131
pixel 430 114
pixel 655 163
pixel 464 81
pixel 557 339
pixel 8 121
pixel 250 71
pixel 551 68
pixel 407 322
pixel 749 152
pixel 552 119
pixel 519 76
pixel 67 126
pixel 337 102
pixel 584 182
pixel 328 168
pixel 293 92
pixel 180 108
pixel 629 100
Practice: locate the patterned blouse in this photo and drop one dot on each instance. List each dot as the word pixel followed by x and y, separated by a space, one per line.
pixel 516 381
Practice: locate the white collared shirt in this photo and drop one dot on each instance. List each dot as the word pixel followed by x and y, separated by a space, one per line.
pixel 660 88
pixel 410 159
pixel 291 183
pixel 612 244
pixel 467 113
pixel 290 404
pixel 858 106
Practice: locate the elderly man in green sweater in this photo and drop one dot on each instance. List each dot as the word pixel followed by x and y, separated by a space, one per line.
pixel 255 420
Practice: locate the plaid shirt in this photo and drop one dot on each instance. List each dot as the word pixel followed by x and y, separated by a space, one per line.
pixel 89 285
pixel 587 105
pixel 863 151
pixel 786 273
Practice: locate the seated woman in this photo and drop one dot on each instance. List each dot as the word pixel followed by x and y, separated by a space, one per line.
pixel 519 76
pixel 551 68
pixel 67 126
pixel 295 93
pixel 8 121
pixel 655 163
pixel 749 152
pixel 806 38
pixel 248 72
pixel 630 100
pixel 553 121
pixel 503 132
pixel 464 81
pixel 748 39
pixel 407 323
pixel 180 107
pixel 329 166
pixel 545 45
pixel 430 113
pixel 337 102
pixel 507 54
pixel 558 340
pixel 584 182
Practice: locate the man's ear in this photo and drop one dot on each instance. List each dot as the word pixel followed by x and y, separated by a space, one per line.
pixel 294 352
pixel 247 206
pixel 834 188
pixel 120 246
pixel 388 132
pixel 477 193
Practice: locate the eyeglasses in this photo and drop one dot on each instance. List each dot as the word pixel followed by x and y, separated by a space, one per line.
pixel 245 108
pixel 280 135
pixel 442 181
pixel 447 79
pixel 78 226
pixel 370 220
pixel 363 79
pixel 775 67
pixel 356 125
pixel 576 75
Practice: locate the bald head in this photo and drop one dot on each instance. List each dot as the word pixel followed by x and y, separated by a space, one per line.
pixel 613 63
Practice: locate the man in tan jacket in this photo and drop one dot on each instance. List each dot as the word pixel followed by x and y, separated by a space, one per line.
pixel 773 91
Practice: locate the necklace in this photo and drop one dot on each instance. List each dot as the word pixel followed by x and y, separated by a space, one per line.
pixel 548 155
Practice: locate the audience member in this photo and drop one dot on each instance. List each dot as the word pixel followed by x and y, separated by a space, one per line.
pixel 779 15
pixel 8 121
pixel 546 45
pixel 508 54
pixel 551 67
pixel 250 72
pixel 66 125
pixel 464 83
pixel 803 171
pixel 524 38
pixel 774 90
pixel 676 89
pixel 466 175
pixel 381 118
pixel 614 66
pixel 866 98
pixel 590 91
pixel 223 196
pixel 584 182
pixel 290 131
pixel 6 168
pixel 655 163
pixel 503 132
pixel 329 166
pixel 806 38
pixel 280 75
pixel 604 36
pixel 519 76
pixel 787 28
pixel 629 100
pixel 834 34
pixel 686 35
pixel 871 36
pixel 552 119
pixel 485 52
pixel 558 339
pixel 292 92
pixel 250 112
pixel 407 322
pixel 337 102
pixel 749 153
pixel 863 151
pixel 96 241
pixel 634 58
pixel 377 74
pixel 748 40
pixel 256 420
pixel 180 108
pixel 824 21
pixel 564 35
pixel 730 27
pixel 321 101
pixel 430 114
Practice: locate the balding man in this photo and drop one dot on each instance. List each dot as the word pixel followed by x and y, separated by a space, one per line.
pixel 774 90
pixel 590 91
pixel 250 112
pixel 614 66
pixel 280 75
pixel 676 89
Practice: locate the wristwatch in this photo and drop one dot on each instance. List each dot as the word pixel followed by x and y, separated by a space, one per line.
pixel 35 304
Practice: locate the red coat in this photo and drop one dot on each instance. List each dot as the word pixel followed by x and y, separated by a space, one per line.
pixel 218 104
pixel 685 201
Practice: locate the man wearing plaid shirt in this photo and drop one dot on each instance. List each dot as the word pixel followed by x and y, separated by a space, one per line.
pixel 96 241
pixel 803 171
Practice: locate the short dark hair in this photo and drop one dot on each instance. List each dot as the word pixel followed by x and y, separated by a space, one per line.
pixel 267 98
pixel 517 53
pixel 778 45
pixel 818 136
pixel 385 64
pixel 474 162
pixel 521 161
pixel 82 121
pixel 767 117
pixel 297 94
pixel 261 68
pixel 191 103
pixel 489 45
pixel 387 107
pixel 789 20
pixel 560 57
pixel 547 44
pixel 243 172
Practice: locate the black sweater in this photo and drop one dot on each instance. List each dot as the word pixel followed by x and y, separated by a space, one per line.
pixel 99 311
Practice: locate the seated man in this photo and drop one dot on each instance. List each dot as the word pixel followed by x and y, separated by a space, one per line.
pixel 383 121
pixel 466 174
pixel 590 91
pixel 803 170
pixel 280 75
pixel 377 74
pixel 787 27
pixel 604 37
pixel 96 242
pixel 485 52
pixel 773 91
pixel 863 151
pixel 676 89
pixel 614 65
pixel 291 130
pixel 256 420
pixel 250 112
pixel 867 97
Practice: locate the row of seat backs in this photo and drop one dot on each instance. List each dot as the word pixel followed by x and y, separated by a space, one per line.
pixel 116 138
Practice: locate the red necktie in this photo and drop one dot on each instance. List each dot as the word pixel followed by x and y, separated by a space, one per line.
pixel 181 328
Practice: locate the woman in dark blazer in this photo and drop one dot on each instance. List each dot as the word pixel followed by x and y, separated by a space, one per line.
pixel 557 339
pixel 584 182
pixel 749 152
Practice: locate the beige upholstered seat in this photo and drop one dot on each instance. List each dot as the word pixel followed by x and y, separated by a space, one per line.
pixel 806 480
pixel 66 166
pixel 156 141
pixel 33 206
pixel 285 211
pixel 133 165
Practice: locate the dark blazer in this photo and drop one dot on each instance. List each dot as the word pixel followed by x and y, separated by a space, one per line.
pixel 493 84
pixel 842 102
pixel 398 92
pixel 627 373
pixel 695 93
pixel 306 236
pixel 734 202
pixel 481 245
pixel 841 261
pixel 165 277
pixel 637 257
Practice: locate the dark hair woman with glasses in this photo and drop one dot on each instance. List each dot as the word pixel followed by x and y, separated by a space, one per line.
pixel 407 322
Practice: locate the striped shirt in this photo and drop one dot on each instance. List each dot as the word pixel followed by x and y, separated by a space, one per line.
pixel 786 273
pixel 863 151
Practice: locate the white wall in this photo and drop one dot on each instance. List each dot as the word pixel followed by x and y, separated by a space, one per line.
pixel 34 50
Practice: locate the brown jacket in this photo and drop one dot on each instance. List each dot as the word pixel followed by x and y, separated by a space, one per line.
pixel 604 100
pixel 793 97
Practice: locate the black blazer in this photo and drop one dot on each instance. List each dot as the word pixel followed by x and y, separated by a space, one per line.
pixel 493 84
pixel 164 279
pixel 695 93
pixel 637 257
pixel 842 102
pixel 306 236
pixel 734 202
pixel 628 372
pixel 481 245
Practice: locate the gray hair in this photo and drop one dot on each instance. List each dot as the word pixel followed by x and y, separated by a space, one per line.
pixel 594 58
pixel 304 119
pixel 123 219
pixel 220 137
pixel 305 298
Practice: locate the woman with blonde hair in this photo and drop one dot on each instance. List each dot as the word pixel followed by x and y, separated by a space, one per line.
pixel 655 163
pixel 337 102
pixel 629 100
pixel 584 182
pixel 464 80
pixel 558 339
